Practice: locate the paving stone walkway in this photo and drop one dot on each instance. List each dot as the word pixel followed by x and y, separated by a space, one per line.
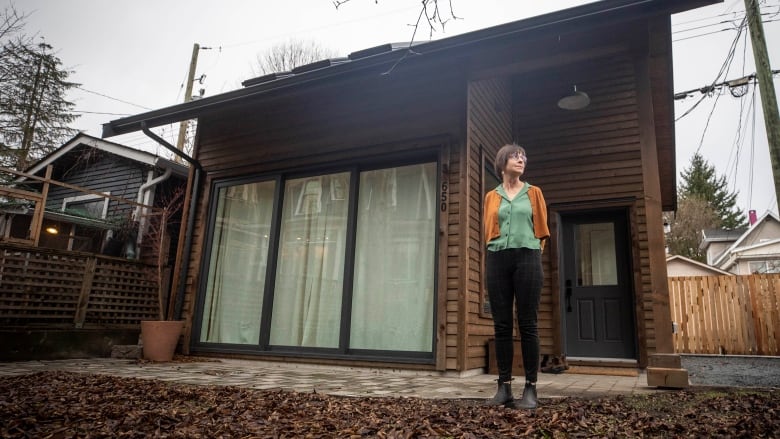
pixel 334 380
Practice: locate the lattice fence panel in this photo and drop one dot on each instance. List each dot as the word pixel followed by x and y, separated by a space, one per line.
pixel 122 294
pixel 60 289
pixel 39 287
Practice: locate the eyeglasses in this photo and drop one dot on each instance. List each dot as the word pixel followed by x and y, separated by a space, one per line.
pixel 517 155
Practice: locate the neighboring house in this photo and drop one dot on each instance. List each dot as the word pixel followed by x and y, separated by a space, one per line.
pixel 88 221
pixel 756 250
pixel 337 208
pixel 677 266
pixel 714 242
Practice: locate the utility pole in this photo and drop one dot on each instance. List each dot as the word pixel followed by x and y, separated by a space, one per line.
pixel 768 97
pixel 187 98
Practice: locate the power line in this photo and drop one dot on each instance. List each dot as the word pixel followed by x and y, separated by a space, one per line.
pixel 723 69
pixel 112 98
pixel 100 112
pixel 715 32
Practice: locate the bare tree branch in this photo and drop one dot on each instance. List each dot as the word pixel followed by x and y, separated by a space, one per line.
pixel 433 16
pixel 11 22
pixel 289 55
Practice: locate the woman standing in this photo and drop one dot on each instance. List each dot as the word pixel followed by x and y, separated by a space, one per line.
pixel 515 221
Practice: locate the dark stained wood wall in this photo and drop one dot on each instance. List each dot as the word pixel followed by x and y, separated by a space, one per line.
pixel 369 118
pixel 587 159
pixel 583 159
pixel 489 127
pixel 580 159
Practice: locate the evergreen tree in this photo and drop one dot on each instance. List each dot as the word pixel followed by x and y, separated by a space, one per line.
pixel 34 114
pixel 700 181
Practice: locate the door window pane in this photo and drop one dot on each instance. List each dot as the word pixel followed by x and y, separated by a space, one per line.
pixel 595 254
pixel 392 307
pixel 310 270
pixel 237 268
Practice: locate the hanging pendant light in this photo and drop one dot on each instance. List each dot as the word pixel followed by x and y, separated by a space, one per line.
pixel 575 101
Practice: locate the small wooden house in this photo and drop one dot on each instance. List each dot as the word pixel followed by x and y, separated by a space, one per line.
pixel 335 211
pixel 81 215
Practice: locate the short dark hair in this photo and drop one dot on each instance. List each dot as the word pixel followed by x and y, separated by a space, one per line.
pixel 502 157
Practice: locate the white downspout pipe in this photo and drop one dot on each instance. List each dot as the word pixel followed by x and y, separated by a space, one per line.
pixel 142 195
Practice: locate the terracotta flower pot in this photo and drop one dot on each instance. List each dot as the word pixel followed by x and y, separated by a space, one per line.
pixel 159 338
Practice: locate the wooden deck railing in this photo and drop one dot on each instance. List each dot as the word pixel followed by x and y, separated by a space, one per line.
pixel 735 315
pixel 62 289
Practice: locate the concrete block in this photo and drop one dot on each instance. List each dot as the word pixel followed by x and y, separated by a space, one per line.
pixel 126 351
pixel 667 377
pixel 666 361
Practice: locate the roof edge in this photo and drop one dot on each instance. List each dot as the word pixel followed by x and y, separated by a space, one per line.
pixel 590 11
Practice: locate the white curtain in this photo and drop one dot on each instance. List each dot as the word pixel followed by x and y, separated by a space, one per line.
pixel 392 304
pixel 239 252
pixel 309 275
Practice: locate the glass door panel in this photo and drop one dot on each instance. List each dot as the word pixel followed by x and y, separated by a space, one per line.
pixel 392 303
pixel 310 270
pixel 237 268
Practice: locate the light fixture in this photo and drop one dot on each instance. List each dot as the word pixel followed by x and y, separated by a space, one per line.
pixel 52 230
pixel 575 101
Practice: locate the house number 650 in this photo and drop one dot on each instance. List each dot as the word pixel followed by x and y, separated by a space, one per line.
pixel 444 189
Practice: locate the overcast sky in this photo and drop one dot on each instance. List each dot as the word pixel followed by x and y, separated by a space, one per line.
pixel 133 56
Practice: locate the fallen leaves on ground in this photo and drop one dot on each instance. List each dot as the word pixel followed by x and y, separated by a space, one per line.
pixel 63 405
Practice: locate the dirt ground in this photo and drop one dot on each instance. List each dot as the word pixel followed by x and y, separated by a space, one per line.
pixel 65 405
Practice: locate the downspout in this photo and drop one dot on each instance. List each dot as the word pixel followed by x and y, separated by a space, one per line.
pixel 179 304
pixel 142 191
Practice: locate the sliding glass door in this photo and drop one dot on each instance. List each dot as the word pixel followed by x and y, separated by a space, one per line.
pixel 352 266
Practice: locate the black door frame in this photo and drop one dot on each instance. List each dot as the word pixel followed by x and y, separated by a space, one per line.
pixel 625 207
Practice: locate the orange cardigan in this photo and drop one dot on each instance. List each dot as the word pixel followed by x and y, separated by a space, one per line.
pixel 538 214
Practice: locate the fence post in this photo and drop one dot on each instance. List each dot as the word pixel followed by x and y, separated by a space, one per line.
pixel 86 287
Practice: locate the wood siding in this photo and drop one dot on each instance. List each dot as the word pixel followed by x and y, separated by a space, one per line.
pixel 586 159
pixel 103 173
pixel 489 127
pixel 372 120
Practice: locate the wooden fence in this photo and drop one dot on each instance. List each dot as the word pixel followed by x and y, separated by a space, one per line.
pixel 734 315
pixel 62 289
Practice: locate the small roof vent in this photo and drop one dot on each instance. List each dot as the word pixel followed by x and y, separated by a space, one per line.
pixel 266 78
pixel 377 50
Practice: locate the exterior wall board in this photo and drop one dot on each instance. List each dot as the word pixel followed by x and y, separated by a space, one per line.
pixel 489 127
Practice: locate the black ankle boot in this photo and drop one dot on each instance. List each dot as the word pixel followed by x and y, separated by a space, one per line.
pixel 503 395
pixel 529 400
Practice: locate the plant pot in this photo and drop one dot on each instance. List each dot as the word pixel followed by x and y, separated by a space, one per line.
pixel 159 338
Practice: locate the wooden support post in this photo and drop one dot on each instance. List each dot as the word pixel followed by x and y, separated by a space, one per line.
pixel 40 208
pixel 86 287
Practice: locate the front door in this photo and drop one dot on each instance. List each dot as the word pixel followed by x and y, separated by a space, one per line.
pixel 597 294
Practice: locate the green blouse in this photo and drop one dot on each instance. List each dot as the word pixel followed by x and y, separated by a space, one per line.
pixel 515 221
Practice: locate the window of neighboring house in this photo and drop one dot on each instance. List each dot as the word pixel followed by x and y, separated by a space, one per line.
pixel 81 237
pixel 489 182
pixel 317 246
pixel 88 206
pixel 763 267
